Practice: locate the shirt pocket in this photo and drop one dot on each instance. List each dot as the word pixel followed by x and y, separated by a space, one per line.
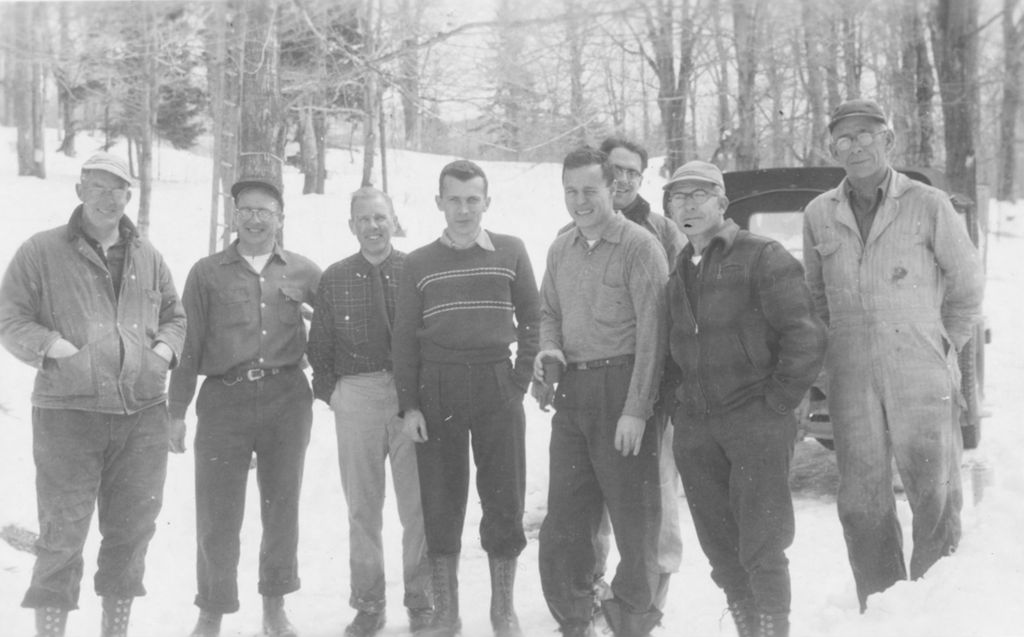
pixel 353 326
pixel 613 305
pixel 290 305
pixel 232 307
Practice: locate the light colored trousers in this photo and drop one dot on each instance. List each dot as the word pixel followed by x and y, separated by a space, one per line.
pixel 369 433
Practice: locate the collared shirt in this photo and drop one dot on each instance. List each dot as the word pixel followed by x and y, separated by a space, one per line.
pixel 341 342
pixel 864 209
pixel 238 317
pixel 609 300
pixel 482 239
pixel 114 256
pixel 666 230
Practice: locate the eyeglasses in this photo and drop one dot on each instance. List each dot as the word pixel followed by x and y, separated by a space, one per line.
pixel 863 140
pixel 263 214
pixel 95 192
pixel 627 174
pixel 698 196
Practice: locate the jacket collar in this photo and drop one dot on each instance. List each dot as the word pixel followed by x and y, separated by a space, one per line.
pixel 894 187
pixel 638 210
pixel 725 237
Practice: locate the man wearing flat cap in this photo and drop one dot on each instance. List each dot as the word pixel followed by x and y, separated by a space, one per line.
pixel 899 284
pixel 743 333
pixel 246 335
pixel 92 306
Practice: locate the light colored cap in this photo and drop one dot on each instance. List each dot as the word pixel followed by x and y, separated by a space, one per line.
pixel 109 163
pixel 697 170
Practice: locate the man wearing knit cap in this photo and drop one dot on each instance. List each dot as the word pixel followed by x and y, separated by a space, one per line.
pixel 92 306
pixel 743 333
pixel 247 337
pixel 897 280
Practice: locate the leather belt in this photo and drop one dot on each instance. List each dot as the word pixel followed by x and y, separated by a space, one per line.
pixel 614 361
pixel 252 374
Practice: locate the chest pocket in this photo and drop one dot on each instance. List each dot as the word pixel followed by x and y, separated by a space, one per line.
pixel 232 307
pixel 290 305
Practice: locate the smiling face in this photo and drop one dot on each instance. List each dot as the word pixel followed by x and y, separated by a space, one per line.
pixel 257 232
pixel 863 162
pixel 104 198
pixel 697 220
pixel 588 198
pixel 372 223
pixel 628 175
pixel 463 204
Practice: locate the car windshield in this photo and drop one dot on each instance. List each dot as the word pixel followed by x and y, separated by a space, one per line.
pixel 785 227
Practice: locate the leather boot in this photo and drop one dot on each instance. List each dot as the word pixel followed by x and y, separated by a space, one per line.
pixel 503 612
pixel 275 620
pixel 625 622
pixel 745 615
pixel 773 625
pixel 208 624
pixel 51 621
pixel 116 612
pixel 444 575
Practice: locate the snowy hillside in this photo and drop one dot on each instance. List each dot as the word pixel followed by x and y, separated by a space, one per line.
pixel 976 592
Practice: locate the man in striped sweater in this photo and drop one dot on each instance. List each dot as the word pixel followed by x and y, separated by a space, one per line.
pixel 463 299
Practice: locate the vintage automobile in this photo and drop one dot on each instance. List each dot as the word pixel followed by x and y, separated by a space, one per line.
pixel 770 202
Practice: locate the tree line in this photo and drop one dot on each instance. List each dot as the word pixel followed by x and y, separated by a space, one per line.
pixel 744 83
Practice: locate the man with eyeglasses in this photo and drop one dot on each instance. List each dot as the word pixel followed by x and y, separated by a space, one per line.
pixel 247 337
pixel 629 161
pixel 350 352
pixel 463 300
pixel 897 280
pixel 748 346
pixel 92 306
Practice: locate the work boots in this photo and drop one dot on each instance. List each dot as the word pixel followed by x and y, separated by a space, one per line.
pixel 116 612
pixel 503 612
pixel 208 624
pixel 275 620
pixel 444 575
pixel 50 621
pixel 746 617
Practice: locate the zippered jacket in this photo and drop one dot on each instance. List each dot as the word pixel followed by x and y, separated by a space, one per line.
pixel 747 328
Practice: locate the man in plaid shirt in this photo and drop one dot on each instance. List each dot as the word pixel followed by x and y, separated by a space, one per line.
pixel 350 351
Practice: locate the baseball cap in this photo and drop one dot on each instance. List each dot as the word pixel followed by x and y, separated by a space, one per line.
pixel 109 163
pixel 856 108
pixel 258 182
pixel 697 170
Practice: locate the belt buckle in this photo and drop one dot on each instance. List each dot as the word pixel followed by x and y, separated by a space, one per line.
pixel 582 366
pixel 255 374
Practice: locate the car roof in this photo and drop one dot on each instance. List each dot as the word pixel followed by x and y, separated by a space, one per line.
pixel 791 189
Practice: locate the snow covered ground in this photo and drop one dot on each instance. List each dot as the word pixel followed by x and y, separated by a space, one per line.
pixel 976 592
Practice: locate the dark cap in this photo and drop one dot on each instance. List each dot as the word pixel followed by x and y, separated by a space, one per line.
pixel 258 182
pixel 856 108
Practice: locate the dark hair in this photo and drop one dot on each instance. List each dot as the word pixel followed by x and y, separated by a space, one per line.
pixel 463 170
pixel 611 143
pixel 589 156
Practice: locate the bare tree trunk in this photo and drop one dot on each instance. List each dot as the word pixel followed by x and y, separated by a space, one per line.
pixel 1013 52
pixel 320 133
pixel 147 116
pixel 955 42
pixel 410 15
pixel 307 147
pixel 724 153
pixel 852 62
pixel 28 85
pixel 574 40
pixel 371 94
pixel 832 67
pixel 745 26
pixel 67 101
pixel 673 81
pixel 818 154
pixel 260 107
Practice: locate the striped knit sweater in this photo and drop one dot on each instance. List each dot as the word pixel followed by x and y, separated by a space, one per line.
pixel 464 306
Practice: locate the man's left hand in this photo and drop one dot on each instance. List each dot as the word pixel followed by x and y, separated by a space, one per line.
pixel 164 351
pixel 629 433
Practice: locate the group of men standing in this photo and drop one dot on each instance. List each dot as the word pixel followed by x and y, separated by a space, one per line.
pixel 658 354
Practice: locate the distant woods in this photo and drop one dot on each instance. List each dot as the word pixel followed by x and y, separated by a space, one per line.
pixel 743 83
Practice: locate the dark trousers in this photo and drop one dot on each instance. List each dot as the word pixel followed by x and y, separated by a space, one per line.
pixel 119 461
pixel 587 474
pixel 272 418
pixel 482 406
pixel 735 471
